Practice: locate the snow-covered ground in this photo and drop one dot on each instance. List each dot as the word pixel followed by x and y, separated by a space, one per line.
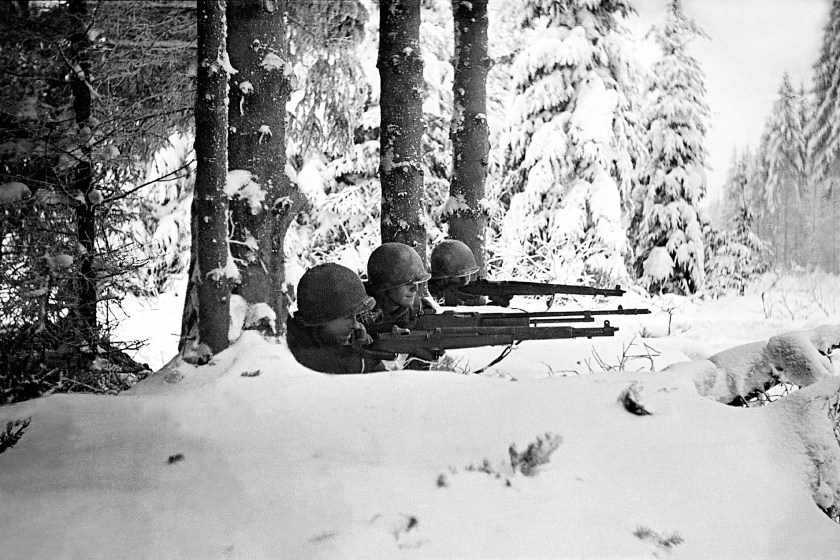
pixel 255 457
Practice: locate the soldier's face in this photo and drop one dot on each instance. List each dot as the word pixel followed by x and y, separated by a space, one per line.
pixel 339 331
pixel 403 295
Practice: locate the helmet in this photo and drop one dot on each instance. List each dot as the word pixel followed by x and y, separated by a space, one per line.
pixel 330 291
pixel 451 259
pixel 395 264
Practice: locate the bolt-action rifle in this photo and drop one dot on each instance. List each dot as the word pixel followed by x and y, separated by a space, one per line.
pixel 510 288
pixel 450 318
pixel 404 341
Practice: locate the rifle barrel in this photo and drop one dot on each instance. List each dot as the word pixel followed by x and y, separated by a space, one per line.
pixel 524 319
pixel 470 336
pixel 518 288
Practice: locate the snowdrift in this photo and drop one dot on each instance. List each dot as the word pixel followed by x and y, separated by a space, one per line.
pixel 253 456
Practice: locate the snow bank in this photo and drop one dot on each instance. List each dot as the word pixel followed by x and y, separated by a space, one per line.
pixel 253 456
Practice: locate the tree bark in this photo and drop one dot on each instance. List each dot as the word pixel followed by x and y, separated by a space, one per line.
pixel 259 92
pixel 79 61
pixel 469 131
pixel 401 130
pixel 210 207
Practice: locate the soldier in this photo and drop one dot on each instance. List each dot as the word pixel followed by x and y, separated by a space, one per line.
pixel 326 333
pixel 453 265
pixel 395 277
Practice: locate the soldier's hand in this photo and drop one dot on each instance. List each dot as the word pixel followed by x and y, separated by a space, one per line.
pixel 502 301
pixel 427 354
pixel 360 338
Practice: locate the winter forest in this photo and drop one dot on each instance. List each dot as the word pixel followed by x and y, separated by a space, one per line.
pixel 205 153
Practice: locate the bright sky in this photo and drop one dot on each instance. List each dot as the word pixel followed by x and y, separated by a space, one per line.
pixel 751 44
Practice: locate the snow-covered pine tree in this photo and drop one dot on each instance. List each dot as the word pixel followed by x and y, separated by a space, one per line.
pixel 569 143
pixel 735 255
pixel 824 127
pixel 784 154
pixel 672 181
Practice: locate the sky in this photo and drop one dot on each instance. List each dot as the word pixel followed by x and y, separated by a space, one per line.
pixel 751 44
pixel 254 457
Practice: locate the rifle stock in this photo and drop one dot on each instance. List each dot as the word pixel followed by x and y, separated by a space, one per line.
pixel 508 288
pixel 448 338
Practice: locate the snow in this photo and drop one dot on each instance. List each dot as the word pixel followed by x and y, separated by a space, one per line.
pixel 243 184
pixel 12 192
pixel 253 456
pixel 271 61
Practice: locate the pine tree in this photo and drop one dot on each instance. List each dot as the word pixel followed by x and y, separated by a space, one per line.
pixel 735 255
pixel 670 253
pixel 824 128
pixel 400 170
pixel 212 266
pixel 784 155
pixel 265 202
pixel 470 145
pixel 344 192
pixel 569 143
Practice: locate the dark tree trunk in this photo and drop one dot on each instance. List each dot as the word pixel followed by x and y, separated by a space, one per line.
pixel 79 60
pixel 210 207
pixel 469 132
pixel 401 129
pixel 258 95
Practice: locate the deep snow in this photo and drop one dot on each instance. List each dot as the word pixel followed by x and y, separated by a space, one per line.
pixel 253 456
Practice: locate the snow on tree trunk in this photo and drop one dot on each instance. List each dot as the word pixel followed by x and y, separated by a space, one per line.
pixel 467 216
pixel 264 205
pixel 83 172
pixel 400 167
pixel 213 273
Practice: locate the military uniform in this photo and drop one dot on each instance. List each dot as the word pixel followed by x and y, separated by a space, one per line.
pixel 325 334
pixel 453 266
pixel 392 266
pixel 310 350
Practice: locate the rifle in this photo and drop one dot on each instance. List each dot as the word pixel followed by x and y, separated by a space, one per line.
pixel 401 341
pixel 509 288
pixel 450 318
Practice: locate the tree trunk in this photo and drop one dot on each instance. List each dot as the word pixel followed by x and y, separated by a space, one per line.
pixel 210 207
pixel 786 226
pixel 257 111
pixel 401 129
pixel 79 61
pixel 469 132
pixel 834 259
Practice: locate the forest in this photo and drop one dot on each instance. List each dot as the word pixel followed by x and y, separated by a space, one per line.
pixel 179 165
pixel 139 145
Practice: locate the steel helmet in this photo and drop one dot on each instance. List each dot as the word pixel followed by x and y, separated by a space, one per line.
pixel 452 259
pixel 330 291
pixel 395 264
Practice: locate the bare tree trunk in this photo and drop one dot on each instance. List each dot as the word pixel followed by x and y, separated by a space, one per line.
pixel 401 129
pixel 469 132
pixel 210 207
pixel 79 61
pixel 258 95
